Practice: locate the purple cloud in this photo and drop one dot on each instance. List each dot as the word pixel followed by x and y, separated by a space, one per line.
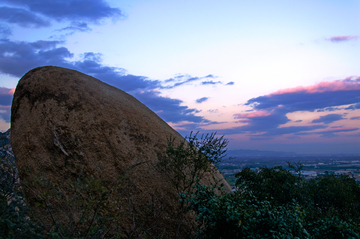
pixel 353 107
pixel 16 58
pixel 168 109
pixel 355 118
pixel 210 82
pixel 40 13
pixel 203 99
pixel 327 119
pixel 6 96
pixel 72 10
pixel 329 133
pixel 292 130
pixel 184 79
pixel 5 112
pixel 330 109
pixel 5 31
pixel 213 111
pixel 22 17
pixel 76 26
pixel 210 76
pixel 342 38
pixel 269 111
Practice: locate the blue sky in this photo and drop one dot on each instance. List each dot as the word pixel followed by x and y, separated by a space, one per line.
pixel 269 75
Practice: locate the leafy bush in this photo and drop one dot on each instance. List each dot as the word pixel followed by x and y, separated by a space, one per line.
pixel 242 215
pixel 274 203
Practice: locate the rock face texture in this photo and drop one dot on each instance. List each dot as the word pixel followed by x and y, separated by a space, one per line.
pixel 65 124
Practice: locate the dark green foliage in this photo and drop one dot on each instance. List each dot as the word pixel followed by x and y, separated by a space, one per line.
pixel 334 195
pixel 277 184
pixel 333 228
pixel 242 215
pixel 274 203
pixel 325 196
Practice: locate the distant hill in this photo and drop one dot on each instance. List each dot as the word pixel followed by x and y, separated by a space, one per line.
pixel 257 153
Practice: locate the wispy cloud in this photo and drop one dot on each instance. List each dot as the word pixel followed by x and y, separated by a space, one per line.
pixel 329 133
pixel 22 17
pixel 42 13
pixel 187 80
pixel 76 26
pixel 72 10
pixel 270 111
pixel 170 110
pixel 213 111
pixel 16 58
pixel 353 106
pixel 6 96
pixel 211 82
pixel 203 99
pixel 5 31
pixel 341 38
pixel 327 119
pixel 181 80
pixel 311 98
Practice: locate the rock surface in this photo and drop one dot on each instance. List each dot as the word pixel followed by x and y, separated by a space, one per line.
pixel 65 123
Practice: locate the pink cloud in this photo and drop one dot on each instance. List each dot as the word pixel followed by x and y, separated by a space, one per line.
pixel 6 91
pixel 256 114
pixel 341 38
pixel 355 118
pixel 242 121
pixel 4 108
pixel 349 83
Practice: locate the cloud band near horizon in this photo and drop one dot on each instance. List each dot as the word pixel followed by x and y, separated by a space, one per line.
pixel 270 111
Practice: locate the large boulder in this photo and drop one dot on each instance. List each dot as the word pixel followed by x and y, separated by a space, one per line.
pixel 66 125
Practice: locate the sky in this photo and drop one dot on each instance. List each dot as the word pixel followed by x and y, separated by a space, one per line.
pixel 279 75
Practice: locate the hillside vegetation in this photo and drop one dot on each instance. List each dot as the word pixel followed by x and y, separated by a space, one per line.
pixel 268 203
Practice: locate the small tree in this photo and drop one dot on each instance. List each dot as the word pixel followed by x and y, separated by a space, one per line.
pixel 186 163
pixel 273 184
pixel 273 203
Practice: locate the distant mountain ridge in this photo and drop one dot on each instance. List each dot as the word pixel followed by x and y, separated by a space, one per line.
pixel 5 146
